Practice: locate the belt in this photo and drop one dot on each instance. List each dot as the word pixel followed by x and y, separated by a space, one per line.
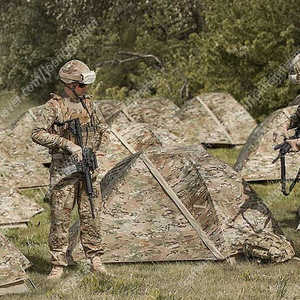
pixel 60 156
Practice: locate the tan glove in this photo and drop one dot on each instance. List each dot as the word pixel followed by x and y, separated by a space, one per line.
pixel 75 150
pixel 295 145
pixel 281 131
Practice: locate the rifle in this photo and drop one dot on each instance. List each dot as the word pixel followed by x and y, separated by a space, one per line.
pixel 284 148
pixel 88 163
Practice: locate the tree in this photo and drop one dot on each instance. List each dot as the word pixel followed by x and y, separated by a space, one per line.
pixel 28 42
pixel 240 47
pixel 246 51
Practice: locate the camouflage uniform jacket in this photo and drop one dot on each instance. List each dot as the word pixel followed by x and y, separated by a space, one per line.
pixel 295 119
pixel 49 132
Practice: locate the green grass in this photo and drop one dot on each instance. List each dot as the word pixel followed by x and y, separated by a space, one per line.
pixel 228 156
pixel 167 281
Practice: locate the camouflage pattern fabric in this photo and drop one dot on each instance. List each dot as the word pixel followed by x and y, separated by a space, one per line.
pixel 143 136
pixel 59 110
pixel 12 266
pixel 140 217
pixel 254 162
pixel 18 169
pixel 21 166
pixel 16 210
pixel 158 112
pixel 21 158
pixel 295 119
pixel 215 118
pixel 120 117
pixel 20 161
pixel 140 136
pixel 109 107
pixel 65 191
pixel 268 248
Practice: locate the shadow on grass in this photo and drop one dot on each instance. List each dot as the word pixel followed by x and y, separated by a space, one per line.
pixel 291 222
pixel 39 265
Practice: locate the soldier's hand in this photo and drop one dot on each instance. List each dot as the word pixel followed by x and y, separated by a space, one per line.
pixel 295 145
pixel 75 150
pixel 280 132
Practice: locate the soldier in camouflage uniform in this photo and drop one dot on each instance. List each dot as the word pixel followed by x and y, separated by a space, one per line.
pixel 67 189
pixel 294 121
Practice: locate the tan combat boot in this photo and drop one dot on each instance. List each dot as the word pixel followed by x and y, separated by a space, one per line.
pixel 56 272
pixel 97 265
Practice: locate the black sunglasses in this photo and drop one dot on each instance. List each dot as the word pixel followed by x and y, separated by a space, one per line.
pixel 82 85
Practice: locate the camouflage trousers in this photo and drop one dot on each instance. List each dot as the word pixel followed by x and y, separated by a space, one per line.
pixel 65 192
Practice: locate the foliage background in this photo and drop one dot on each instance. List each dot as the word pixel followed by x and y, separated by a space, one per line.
pixel 203 46
pixel 242 47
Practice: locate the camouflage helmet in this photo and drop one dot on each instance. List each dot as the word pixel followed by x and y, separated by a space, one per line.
pixel 75 70
pixel 294 72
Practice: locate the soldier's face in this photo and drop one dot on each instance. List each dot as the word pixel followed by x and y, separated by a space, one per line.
pixel 81 89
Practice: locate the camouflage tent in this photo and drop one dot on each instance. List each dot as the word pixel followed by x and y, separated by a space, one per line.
pixel 158 112
pixel 215 213
pixel 217 119
pixel 16 210
pixel 255 159
pixel 13 278
pixel 21 166
pixel 21 159
pixel 109 107
pixel 180 203
pixel 214 118
pixel 138 136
